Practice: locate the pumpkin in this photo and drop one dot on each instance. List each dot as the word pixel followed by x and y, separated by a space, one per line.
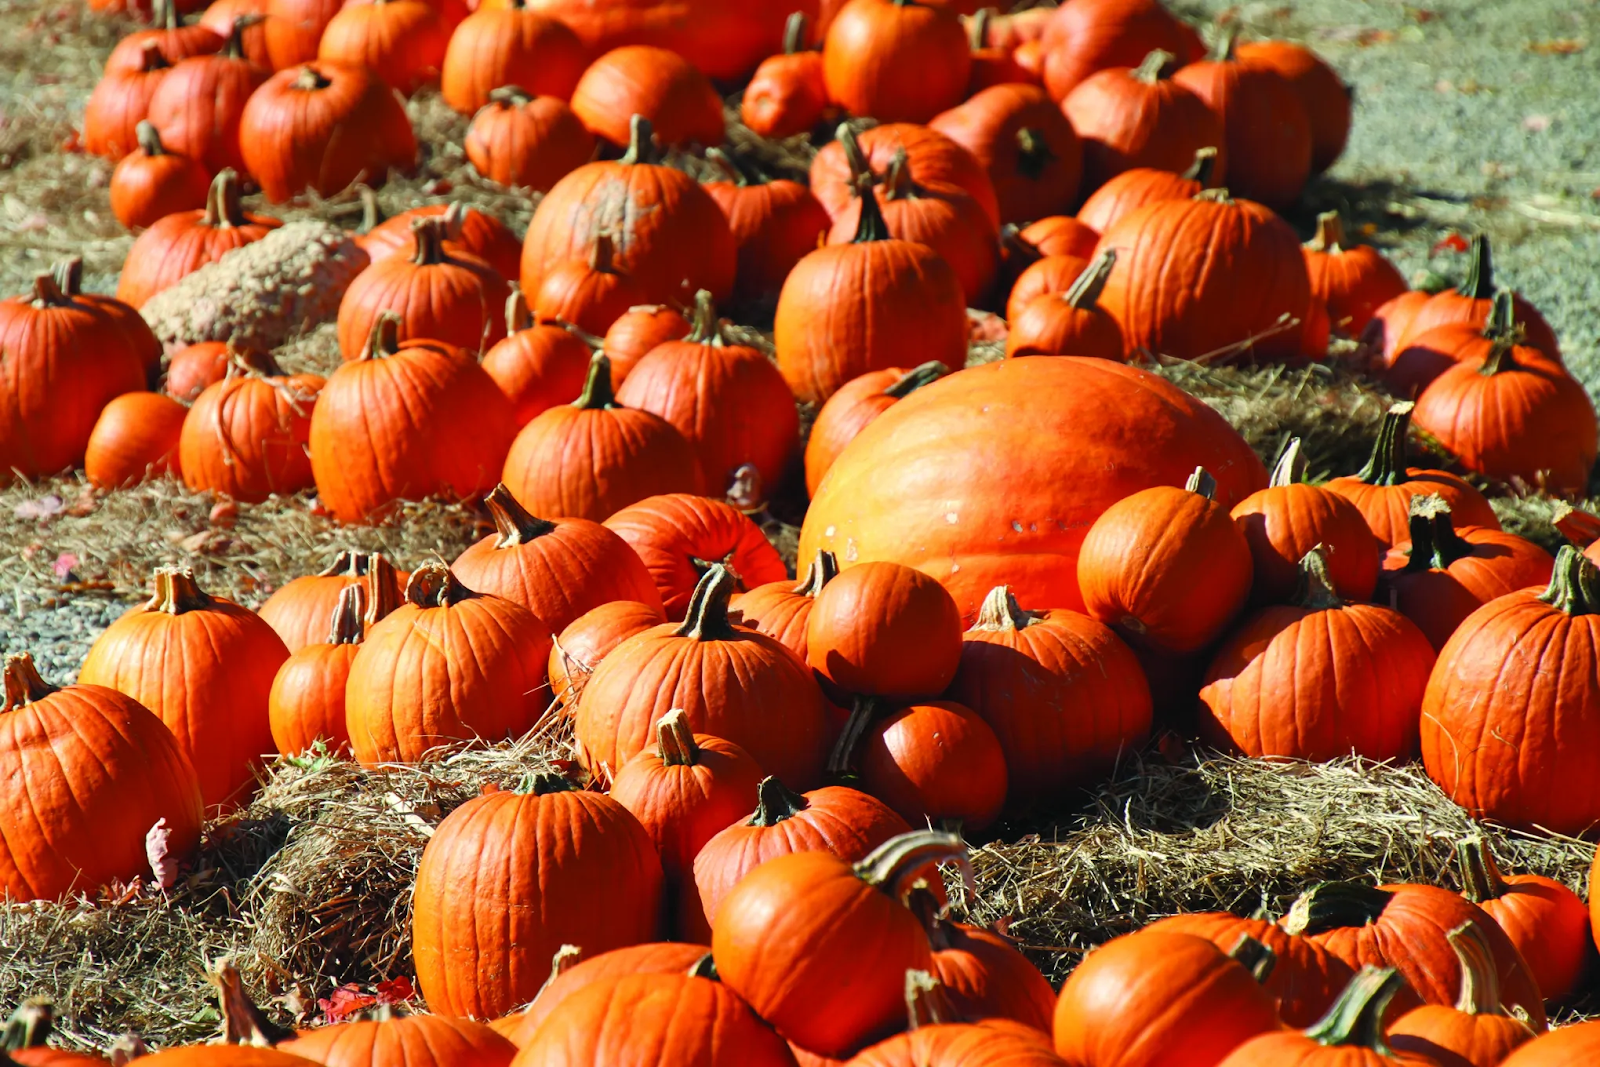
pixel 1056 235
pixel 448 665
pixel 1180 286
pixel 592 458
pixel 1573 1043
pixel 731 683
pixel 852 409
pixel 1304 981
pixel 1406 927
pixel 684 792
pixel 537 365
pixel 299 611
pixel 1327 99
pixel 1266 131
pixel 27 1031
pixel 669 233
pixel 508 877
pixel 843 166
pixel 65 360
pixel 1140 117
pixel 180 244
pixel 848 309
pixel 1318 678
pixel 558 569
pixel 1514 415
pixel 127 325
pixel 205 666
pixel 525 141
pixel 936 1039
pixel 87 772
pixel 294 29
pixel 323 127
pixel 306 704
pixel 1071 324
pixel 245 437
pixel 152 183
pixel 680 536
pixel 1029 148
pixel 1426 355
pixel 786 95
pixel 199 105
pixel 1080 39
pixel 980 973
pixel 789 928
pixel 932 762
pixel 134 439
pixel 774 223
pixel 782 609
pixel 1389 323
pixel 120 101
pixel 1350 1035
pixel 172 35
pixel 1166 567
pixel 728 400
pixel 403 1041
pixel 660 85
pixel 1548 922
pixel 1289 518
pixel 220 16
pixel 896 60
pixel 591 637
pixel 1441 575
pixel 1134 188
pixel 510 43
pixel 1065 437
pixel 1353 280
pixel 1050 276
pixel 570 975
pixel 589 293
pixel 1493 714
pixel 401 41
pixel 994 64
pixel 1155 997
pixel 636 332
pixel 883 629
pixel 466 229
pixel 1473 302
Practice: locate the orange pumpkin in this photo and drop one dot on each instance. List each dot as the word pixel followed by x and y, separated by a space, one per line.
pixel 466 229
pixel 1472 302
pixel 932 762
pixel 636 332
pixel 245 437
pixel 786 95
pixel 120 101
pixel 591 637
pixel 589 293
pixel 782 610
pixel 1350 1035
pixel 896 60
pixel 294 28
pixel 1048 276
pixel 1033 156
pixel 221 16
pixel 1353 280
pixel 658 84
pixel 536 365
pixel 1082 38
pixel 151 183
pixel 170 32
pixel 1477 1029
pixel 1072 324
pixel 572 971
pixel 1134 188
pixel 885 630
pixel 510 43
pixel 306 704
pixel 403 1041
pixel 1140 117
pixel 852 160
pixel 299 611
pixel 199 105
pixel 402 41
pixel 1326 98
pixel 1547 921
pixel 774 223
pixel 134 439
pixel 526 141
pixel 852 409
pixel 180 244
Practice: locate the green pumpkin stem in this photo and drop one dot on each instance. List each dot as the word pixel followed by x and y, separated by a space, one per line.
pixel 863 714
pixel 1000 612
pixel 730 166
pixel 31 1024
pixel 149 139
pixel 223 209
pixel 348 625
pixel 518 316
pixel 1434 541
pixel 152 58
pixel 383 340
pixel 177 592
pixel 1203 483
pixel 676 740
pixel 1330 233
pixel 1085 290
pixel 1574 584
pixel 704 326
pixel 897 183
pixel 1222 50
pixel 822 570
pixel 510 96
pixel 233 44
pixel 1330 905
pixel 978 28
pixel 915 378
pixel 641 142
pixel 1033 154
pixel 545 783
pixel 775 802
pixel 706 618
pixel 434 585
pixel 1387 464
pixel 1291 468
pixel 515 525
pixel 597 394
pixel 705 967
pixel 1501 329
pixel 1480 980
pixel 1356 1018
pixel 23 683
pixel 1203 167
pixel 926 1002
pixel 1255 957
pixel 1479 283
pixel 872 227
pixel 1480 874
pixel 1316 592
pixel 427 234
pixel 1219 195
pixel 893 865
pixel 861 174
pixel 794 33
pixel 1155 66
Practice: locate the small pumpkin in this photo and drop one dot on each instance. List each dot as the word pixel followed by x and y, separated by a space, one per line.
pixel 134 439
pixel 884 629
pixel 199 106
pixel 589 293
pixel 120 101
pixel 1327 99
pixel 1048 276
pixel 466 229
pixel 1349 1035
pixel 193 367
pixel 786 95
pixel 306 704
pixel 1473 301
pixel 537 365
pixel 127 324
pixel 1477 1029
pixel 1029 148
pixel 1055 235
pixel 151 183
pixel 781 610
pixel 1140 117
pixel 982 974
pixel 294 29
pixel 403 1041
pixel 774 223
pixel 170 32
pixel 525 141
pixel 1353 280
pixel 180 244
pixel 1071 324
pixel 299 611
pixel 657 83
pixel 510 43
pixel 852 409
pixel 572 971
pixel 896 60
pixel 681 536
pixel 401 41
pixel 591 637
pixel 1574 1043
pixel 246 436
pixel 1389 323
pixel 636 332
pixel 843 166
pixel 1134 188
pixel 936 1039
pixel 1079 40
pixel 1547 921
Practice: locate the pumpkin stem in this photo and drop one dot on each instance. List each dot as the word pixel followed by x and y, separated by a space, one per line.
pixel 978 28
pixel 1479 283
pixel 223 209
pixel 346 564
pixel 127 1048
pixel 383 589
pixel 69 275
pixel 434 585
pixel 1480 981
pixel 310 79
pixel 1574 584
pixel 1001 612
pixel 1387 464
pixel 383 340
pixel 1316 592
pixel 23 683
pixel 1330 233
pixel 926 1003
pixel 871 227
pixel 164 13
pixel 729 165
pixel 602 255
pixel 822 570
pixel 47 291
pixel 915 378
pixel 242 1022
pixel 1203 483
pixel 152 58
pixel 371 213
pixel 1204 165
pixel 545 783
pixel 925 906
pixel 1330 905
pixel 860 172
pixel 704 328
pixel 746 490
pixel 794 33
pixel 515 525
pixel 705 967
pixel 676 740
pixel 149 139
pixel 1255 957
pixel 30 1025
pixel 1356 1018
pixel 346 628
pixel 510 96
pixel 897 183
pixel 1480 874
pixel 1085 291
pixel 597 395
pixel 1502 330
pixel 1291 468
pixel 707 616
pixel 1434 541
pixel 775 802
pixel 892 865
pixel 566 958
pixel 1033 154
pixel 1219 195
pixel 427 234
pixel 1222 50
pixel 863 713
pixel 233 44
pixel 641 144
pixel 518 317
pixel 176 592
pixel 1155 66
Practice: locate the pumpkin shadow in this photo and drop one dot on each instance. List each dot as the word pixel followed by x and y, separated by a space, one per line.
pixel 1362 203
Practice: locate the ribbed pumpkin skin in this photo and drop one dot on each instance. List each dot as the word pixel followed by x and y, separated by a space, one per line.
pixel 207 674
pixel 660 1020
pixel 591 637
pixel 294 27
pixel 1080 40
pixel 777 610
pixel 785 96
pixel 406 1041
pixel 884 629
pixel 1304 982
pixel 119 102
pixel 135 438
pixel 1354 282
pixel 300 610
pixel 1389 323
pixel 1179 287
pixel 1127 122
pixel 219 17
pixel 933 761
pixel 1284 522
pixel 1326 99
pixel 1457 1039
pixel 1316 685
pixel 181 244
pixel 1577 1043
pixel 1050 276
pixel 480 234
pixel 671 531
pixel 1438 601
pixel 848 411
pixel 456 301
pixel 1387 507
pixel 527 142
pixel 85 772
pixel 654 82
pixel 637 332
pixel 1067 438
pixel 246 436
pixel 198 107
pixel 1266 131
pixel 1549 924
pixel 985 977
pixel 402 41
pixel 307 699
pixel 897 62
pixel 1133 189
pixel 774 224
pixel 223 1056
pixel 537 369
pixel 991 124
pixel 936 162
pixel 531 873
pixel 507 44
pixel 1156 998
pixel 146 187
pixel 651 957
pixel 956 1045
pixel 950 222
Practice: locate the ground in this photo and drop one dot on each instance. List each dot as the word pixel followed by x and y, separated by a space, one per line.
pixel 1474 115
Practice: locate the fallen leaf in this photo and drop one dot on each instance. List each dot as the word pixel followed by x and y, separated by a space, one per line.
pixel 344 1002
pixel 163 864
pixel 42 508
pixel 1536 123
pixel 197 543
pixel 224 513
pixel 1421 14
pixel 1451 242
pixel 63 565
pixel 1560 46
pixel 396 991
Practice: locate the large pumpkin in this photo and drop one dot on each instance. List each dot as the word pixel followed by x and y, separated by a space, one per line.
pixel 993 475
pixel 895 60
pixel 724 40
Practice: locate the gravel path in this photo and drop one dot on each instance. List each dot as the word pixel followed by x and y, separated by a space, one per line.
pixel 57 630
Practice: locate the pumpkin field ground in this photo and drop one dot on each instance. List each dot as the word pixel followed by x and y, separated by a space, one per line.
pixel 1472 115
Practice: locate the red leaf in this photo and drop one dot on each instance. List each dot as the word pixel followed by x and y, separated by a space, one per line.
pixel 63 567
pixel 345 1001
pixel 1452 242
pixel 396 991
